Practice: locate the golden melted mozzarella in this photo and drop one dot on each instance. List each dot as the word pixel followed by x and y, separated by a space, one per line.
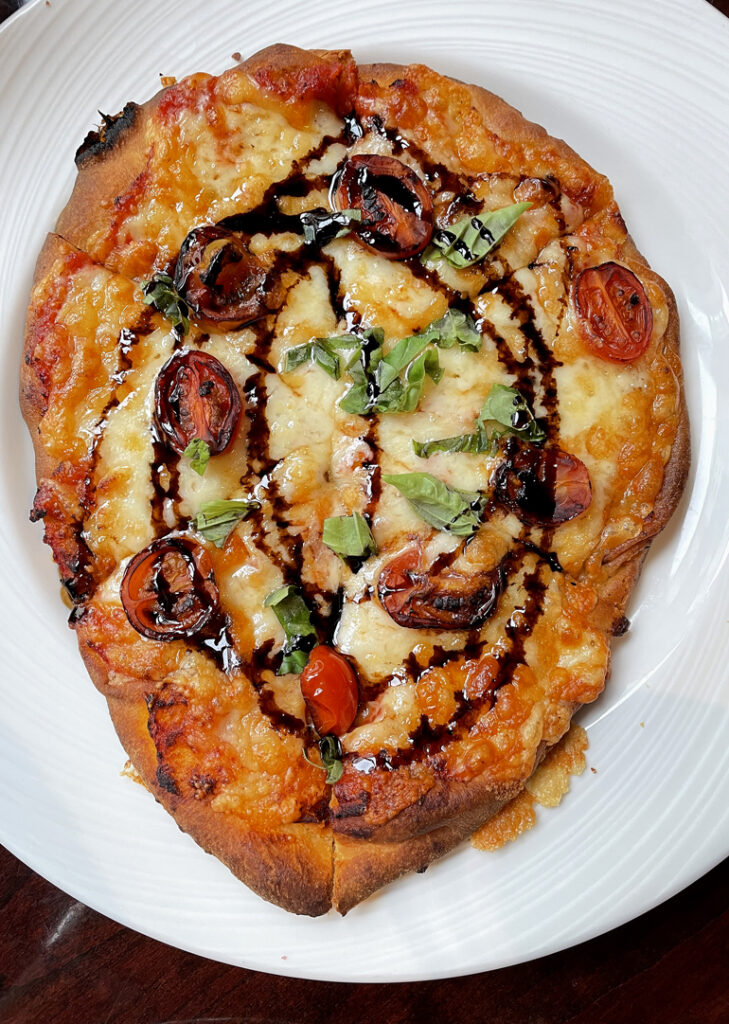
pixel 120 524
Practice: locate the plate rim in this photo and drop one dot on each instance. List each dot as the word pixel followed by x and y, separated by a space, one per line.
pixel 283 969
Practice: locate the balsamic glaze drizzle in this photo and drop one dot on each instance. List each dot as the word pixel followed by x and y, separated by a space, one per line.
pixel 280 543
pixel 427 741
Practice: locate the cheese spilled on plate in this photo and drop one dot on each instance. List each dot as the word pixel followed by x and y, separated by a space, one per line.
pixel 547 787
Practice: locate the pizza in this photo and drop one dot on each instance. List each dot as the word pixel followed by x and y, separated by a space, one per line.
pixel 355 411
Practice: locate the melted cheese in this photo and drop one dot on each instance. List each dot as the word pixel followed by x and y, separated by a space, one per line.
pixel 220 159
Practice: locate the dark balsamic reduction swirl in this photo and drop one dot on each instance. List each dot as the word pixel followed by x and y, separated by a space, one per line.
pixel 281 544
pixel 426 742
pixel 540 362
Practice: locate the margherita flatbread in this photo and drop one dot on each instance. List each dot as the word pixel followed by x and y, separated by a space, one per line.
pixel 355 410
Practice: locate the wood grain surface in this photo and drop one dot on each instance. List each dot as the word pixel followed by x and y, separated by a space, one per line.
pixel 61 963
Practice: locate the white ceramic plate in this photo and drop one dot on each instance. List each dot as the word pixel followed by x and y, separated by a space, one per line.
pixel 639 89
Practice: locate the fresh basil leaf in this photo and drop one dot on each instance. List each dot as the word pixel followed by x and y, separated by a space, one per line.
pixel 349 536
pixel 508 407
pixel 394 382
pixel 330 751
pixel 404 395
pixel 504 406
pixel 445 508
pixel 160 292
pixel 362 368
pixel 471 443
pixel 293 662
pixel 473 237
pixel 216 519
pixel 321 226
pixel 455 326
pixel 356 400
pixel 198 452
pixel 324 352
pixel 291 611
pixel 398 358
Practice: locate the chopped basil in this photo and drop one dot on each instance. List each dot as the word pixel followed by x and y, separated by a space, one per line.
pixel 216 519
pixel 291 611
pixel 349 536
pixel 321 226
pixel 198 452
pixel 509 407
pixel 455 326
pixel 330 751
pixel 473 237
pixel 472 443
pixel 379 388
pixel 293 662
pixel 392 382
pixel 457 512
pixel 324 352
pixel 504 406
pixel 160 292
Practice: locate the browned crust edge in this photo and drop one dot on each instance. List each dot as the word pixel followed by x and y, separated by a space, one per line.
pixel 275 865
pixel 290 866
pixel 108 170
pixel 32 413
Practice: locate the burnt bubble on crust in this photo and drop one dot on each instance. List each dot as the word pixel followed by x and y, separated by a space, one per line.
pixel 112 128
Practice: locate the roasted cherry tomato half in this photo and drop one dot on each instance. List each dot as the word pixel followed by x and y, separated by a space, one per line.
pixel 168 590
pixel 396 207
pixel 196 397
pixel 221 281
pixel 329 687
pixel 416 597
pixel 615 315
pixel 542 486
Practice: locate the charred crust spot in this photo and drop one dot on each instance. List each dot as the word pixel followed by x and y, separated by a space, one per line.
pixel 354 807
pixel 165 780
pixel 111 130
pixel 79 587
pixel 78 613
pixel 621 626
pixel 203 784
pixel 168 696
pixel 188 765
pixel 315 812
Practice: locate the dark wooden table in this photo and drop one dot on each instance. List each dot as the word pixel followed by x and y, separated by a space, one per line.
pixel 61 963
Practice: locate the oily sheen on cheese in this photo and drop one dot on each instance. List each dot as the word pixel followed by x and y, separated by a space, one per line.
pixel 324 720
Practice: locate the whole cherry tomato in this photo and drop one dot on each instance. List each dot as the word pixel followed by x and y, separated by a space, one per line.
pixel 222 281
pixel 542 486
pixel 196 397
pixel 615 315
pixel 168 590
pixel 396 207
pixel 329 687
